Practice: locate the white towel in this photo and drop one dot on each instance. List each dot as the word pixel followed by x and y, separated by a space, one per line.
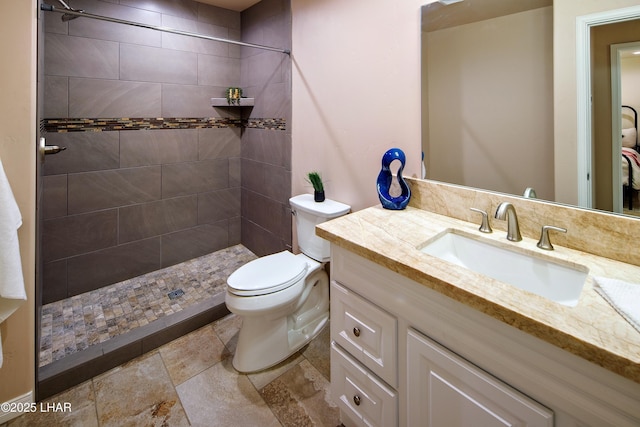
pixel 623 296
pixel 12 292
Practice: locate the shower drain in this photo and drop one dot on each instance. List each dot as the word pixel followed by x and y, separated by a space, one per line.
pixel 175 294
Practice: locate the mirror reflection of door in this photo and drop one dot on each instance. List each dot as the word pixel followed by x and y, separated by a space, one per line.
pixel 602 37
pixel 625 90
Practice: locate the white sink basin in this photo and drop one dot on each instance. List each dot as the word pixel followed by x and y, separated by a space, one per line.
pixel 558 282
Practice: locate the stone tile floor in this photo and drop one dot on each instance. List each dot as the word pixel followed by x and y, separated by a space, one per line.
pixel 72 325
pixel 190 381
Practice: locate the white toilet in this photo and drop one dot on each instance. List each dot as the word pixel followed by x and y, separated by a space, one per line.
pixel 283 298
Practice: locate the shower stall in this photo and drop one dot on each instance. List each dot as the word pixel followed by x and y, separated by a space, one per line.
pixel 157 196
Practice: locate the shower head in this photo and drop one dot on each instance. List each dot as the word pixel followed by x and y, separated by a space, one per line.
pixel 67 16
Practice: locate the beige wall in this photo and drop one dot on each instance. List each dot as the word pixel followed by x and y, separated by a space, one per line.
pixel 565 90
pixel 356 93
pixel 490 106
pixel 18 24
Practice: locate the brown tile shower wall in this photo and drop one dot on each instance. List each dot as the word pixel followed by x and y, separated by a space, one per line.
pixel 106 223
pixel 266 153
pixel 120 203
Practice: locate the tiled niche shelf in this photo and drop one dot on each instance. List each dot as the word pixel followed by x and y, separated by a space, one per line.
pixel 222 102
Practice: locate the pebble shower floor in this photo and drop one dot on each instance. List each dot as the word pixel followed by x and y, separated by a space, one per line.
pixel 74 324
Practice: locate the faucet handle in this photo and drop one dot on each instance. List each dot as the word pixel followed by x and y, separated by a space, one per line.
pixel 484 226
pixel 544 242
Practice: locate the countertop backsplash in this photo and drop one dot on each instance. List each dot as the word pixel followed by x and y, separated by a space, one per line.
pixel 596 232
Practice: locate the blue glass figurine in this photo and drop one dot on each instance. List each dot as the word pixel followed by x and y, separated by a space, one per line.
pixel 384 181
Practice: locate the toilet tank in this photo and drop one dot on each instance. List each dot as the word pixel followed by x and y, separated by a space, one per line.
pixel 308 213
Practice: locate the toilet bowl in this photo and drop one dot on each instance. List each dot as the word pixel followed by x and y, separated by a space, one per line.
pixel 283 298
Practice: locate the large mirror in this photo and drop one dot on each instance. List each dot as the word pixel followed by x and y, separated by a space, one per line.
pixel 488 102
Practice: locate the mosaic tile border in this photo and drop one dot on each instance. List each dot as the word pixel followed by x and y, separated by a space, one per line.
pixel 274 124
pixel 59 125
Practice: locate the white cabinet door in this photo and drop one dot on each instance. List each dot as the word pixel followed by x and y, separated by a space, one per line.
pixel 366 331
pixel 445 390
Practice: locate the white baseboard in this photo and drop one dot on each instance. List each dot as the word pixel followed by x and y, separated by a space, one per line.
pixel 25 399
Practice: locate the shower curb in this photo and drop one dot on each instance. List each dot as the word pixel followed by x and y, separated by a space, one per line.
pixel 84 365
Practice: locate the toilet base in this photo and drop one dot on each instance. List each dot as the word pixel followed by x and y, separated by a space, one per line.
pixel 257 356
pixel 265 341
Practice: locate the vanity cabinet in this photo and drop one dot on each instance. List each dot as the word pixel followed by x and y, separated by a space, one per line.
pixel 427 360
pixel 445 389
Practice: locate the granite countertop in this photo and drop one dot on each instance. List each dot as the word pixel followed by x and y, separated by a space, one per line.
pixel 592 329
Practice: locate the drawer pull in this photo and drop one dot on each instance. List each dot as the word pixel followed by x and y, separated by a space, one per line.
pixel 356 331
pixel 356 400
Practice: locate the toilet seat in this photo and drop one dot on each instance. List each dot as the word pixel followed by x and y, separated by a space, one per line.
pixel 268 274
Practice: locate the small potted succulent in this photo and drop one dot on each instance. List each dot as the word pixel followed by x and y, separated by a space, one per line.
pixel 233 95
pixel 318 189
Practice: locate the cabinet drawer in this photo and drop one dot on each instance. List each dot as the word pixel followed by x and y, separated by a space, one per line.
pixel 366 331
pixel 361 396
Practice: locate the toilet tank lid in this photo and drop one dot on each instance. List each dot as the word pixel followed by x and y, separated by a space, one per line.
pixel 327 209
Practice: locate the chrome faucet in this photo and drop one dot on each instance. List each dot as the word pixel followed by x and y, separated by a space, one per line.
pixel 507 211
pixel 530 193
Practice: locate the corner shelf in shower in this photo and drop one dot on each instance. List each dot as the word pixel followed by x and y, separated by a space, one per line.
pixel 222 102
